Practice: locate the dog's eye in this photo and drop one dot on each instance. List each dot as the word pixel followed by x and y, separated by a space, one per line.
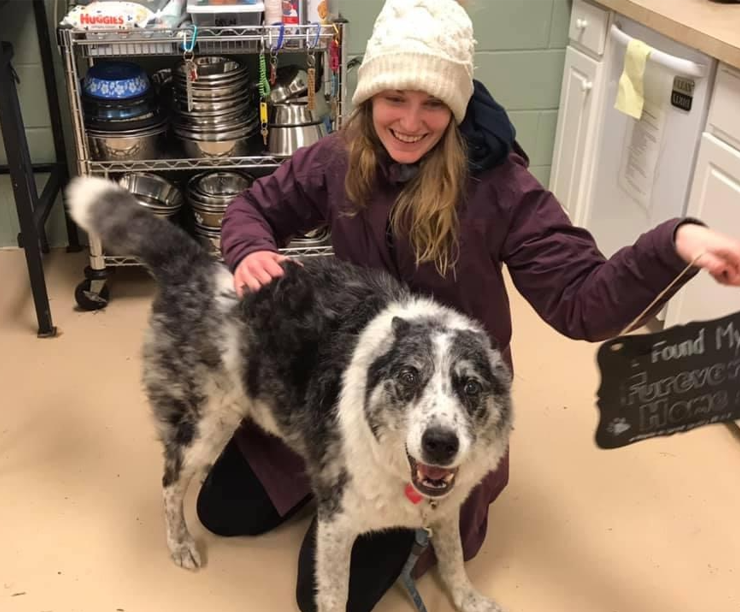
pixel 408 376
pixel 472 388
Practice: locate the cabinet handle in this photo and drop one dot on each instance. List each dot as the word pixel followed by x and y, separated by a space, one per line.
pixel 674 64
pixel 581 24
pixel 587 86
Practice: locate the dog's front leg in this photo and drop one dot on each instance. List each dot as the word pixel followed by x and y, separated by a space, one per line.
pixel 334 542
pixel 448 548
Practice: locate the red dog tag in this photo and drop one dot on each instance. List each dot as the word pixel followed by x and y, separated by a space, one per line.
pixel 414 496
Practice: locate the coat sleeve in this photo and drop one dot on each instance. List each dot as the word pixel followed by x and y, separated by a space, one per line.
pixel 560 271
pixel 290 201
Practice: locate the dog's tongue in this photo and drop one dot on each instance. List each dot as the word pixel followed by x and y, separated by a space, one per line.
pixel 431 472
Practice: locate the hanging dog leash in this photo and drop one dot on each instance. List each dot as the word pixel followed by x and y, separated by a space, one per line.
pixel 633 325
pixel 264 91
pixel 421 542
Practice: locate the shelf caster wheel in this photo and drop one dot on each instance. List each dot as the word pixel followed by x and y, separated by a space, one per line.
pixel 88 298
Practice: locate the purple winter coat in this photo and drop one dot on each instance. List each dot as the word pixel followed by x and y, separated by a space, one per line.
pixel 507 218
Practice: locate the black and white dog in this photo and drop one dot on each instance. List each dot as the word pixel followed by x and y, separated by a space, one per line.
pixel 376 389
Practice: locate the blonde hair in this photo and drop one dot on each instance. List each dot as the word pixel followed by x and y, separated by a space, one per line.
pixel 426 209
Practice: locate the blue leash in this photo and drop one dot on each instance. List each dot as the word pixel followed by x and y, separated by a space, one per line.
pixel 421 541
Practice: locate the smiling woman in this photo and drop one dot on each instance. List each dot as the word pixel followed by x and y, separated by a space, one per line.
pixel 420 132
pixel 426 181
pixel 409 123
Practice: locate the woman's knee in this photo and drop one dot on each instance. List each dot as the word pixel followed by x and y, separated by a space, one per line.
pixel 377 561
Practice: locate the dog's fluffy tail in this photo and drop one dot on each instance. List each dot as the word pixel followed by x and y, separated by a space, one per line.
pixel 127 228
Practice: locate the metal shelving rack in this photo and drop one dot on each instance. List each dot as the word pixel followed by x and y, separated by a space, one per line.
pixel 80 48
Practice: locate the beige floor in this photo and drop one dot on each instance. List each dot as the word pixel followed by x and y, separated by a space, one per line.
pixel 649 528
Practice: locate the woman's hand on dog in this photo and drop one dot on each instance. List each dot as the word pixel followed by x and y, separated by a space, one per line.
pixel 256 270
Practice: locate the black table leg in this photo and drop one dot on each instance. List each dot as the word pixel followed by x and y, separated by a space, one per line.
pixel 24 187
pixel 55 114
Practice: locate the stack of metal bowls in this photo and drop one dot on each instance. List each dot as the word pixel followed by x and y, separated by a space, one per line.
pixel 291 124
pixel 208 195
pixel 318 237
pixel 153 192
pixel 123 119
pixel 223 120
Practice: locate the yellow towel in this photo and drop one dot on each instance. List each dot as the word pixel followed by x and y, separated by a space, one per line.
pixel 630 98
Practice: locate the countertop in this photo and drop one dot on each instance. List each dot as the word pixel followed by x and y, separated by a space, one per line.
pixel 710 27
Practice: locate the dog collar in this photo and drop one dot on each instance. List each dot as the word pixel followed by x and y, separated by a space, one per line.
pixel 412 494
pixel 416 498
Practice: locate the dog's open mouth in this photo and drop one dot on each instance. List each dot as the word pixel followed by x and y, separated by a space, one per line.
pixel 431 480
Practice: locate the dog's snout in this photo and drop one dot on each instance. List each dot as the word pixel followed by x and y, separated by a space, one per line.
pixel 439 445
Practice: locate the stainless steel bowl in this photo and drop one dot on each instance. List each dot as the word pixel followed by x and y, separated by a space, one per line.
pixel 219 185
pixel 226 132
pixel 235 146
pixel 213 93
pixel 321 106
pixel 210 239
pixel 153 192
pixel 292 82
pixel 127 145
pixel 287 140
pixel 294 113
pixel 210 107
pixel 206 217
pixel 213 68
pixel 318 237
pixel 210 193
pixel 226 122
pixel 221 142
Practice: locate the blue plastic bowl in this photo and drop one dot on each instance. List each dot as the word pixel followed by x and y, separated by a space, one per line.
pixel 116 81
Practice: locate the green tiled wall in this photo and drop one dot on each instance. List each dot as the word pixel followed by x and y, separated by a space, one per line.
pixel 18 27
pixel 520 55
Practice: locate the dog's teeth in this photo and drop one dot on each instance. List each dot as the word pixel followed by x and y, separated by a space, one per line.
pixel 449 477
pixel 434 484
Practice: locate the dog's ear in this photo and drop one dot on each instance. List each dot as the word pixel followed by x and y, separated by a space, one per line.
pixel 400 327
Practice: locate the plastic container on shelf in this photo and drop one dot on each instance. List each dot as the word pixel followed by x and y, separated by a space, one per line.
pixel 321 11
pixel 219 13
pixel 273 12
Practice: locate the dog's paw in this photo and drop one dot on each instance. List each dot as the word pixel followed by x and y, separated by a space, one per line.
pixel 186 555
pixel 473 601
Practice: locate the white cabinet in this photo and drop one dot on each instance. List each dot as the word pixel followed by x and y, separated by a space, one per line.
pixel 715 199
pixel 588 26
pixel 580 94
pixel 574 135
pixel 724 121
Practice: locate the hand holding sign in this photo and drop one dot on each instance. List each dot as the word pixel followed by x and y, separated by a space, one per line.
pixel 720 254
pixel 681 378
pixel 669 382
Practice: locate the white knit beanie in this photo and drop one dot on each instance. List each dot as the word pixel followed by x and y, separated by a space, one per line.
pixel 422 45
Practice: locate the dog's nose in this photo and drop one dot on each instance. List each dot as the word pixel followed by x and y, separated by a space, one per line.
pixel 439 445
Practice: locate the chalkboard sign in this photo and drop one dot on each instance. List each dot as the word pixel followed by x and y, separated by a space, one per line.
pixel 669 382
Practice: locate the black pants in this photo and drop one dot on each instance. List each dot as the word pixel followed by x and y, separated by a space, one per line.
pixel 232 502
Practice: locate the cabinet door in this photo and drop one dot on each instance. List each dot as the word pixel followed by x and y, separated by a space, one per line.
pixel 574 137
pixel 715 199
